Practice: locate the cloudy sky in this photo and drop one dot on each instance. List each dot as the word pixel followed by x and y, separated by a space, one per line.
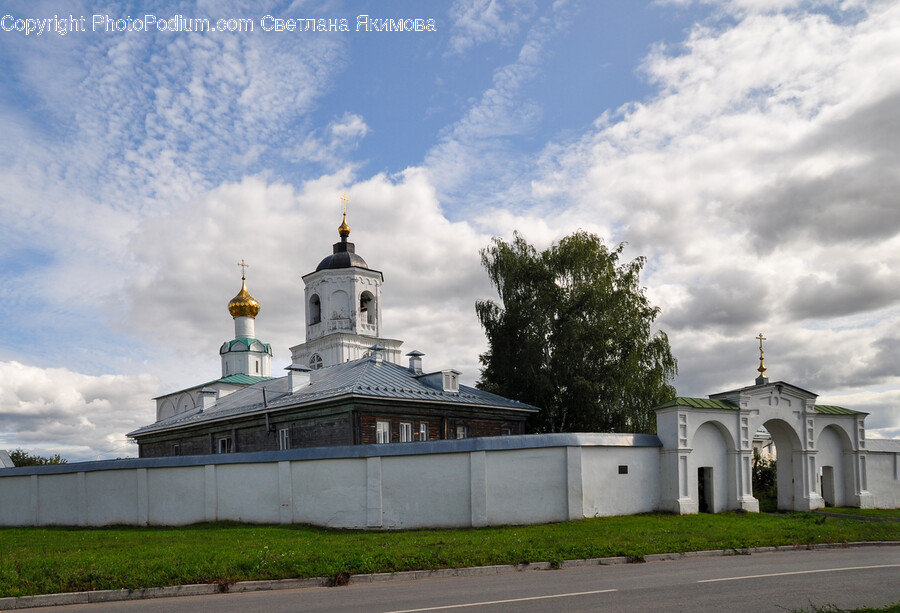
pixel 747 148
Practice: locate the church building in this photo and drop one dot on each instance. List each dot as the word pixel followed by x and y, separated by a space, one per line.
pixel 345 384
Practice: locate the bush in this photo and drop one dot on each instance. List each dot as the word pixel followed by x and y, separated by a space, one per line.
pixel 764 477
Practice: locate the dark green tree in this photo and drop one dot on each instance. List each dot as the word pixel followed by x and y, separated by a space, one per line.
pixel 572 334
pixel 20 457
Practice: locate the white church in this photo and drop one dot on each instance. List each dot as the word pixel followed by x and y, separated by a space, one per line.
pixel 351 438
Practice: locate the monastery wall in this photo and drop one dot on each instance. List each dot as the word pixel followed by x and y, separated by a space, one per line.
pixel 459 483
pixel 449 483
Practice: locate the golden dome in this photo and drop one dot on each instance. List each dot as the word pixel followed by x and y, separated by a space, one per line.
pixel 243 305
pixel 344 229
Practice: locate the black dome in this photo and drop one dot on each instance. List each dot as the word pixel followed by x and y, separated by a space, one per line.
pixel 344 256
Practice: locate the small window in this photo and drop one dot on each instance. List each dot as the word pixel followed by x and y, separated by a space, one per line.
pixel 383 432
pixel 284 438
pixel 423 431
pixel 315 361
pixel 176 449
pixel 461 432
pixel 505 432
pixel 256 363
pixel 405 432
pixel 451 381
pixel 623 469
pixel 225 445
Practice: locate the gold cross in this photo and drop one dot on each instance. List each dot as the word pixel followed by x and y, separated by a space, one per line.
pixel 761 338
pixel 762 365
pixel 243 266
pixel 345 201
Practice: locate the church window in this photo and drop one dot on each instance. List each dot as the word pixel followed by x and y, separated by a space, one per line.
pixel 315 361
pixel 405 432
pixel 382 432
pixel 461 432
pixel 367 308
pixel 315 309
pixel 225 445
pixel 423 431
pixel 256 363
pixel 284 438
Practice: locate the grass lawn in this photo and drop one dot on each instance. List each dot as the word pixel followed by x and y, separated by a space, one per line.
pixel 50 560
pixel 877 513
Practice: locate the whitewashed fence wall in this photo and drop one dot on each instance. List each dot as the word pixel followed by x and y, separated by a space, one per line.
pixel 471 482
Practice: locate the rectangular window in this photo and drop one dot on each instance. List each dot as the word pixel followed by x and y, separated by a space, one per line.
pixel 423 431
pixel 623 469
pixel 176 449
pixel 461 432
pixel 256 363
pixel 284 438
pixel 225 445
pixel 382 432
pixel 505 432
pixel 405 432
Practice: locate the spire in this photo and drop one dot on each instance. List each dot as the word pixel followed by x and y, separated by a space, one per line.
pixel 344 229
pixel 243 304
pixel 762 378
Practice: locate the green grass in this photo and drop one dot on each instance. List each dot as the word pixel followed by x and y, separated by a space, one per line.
pixel 892 608
pixel 51 560
pixel 877 513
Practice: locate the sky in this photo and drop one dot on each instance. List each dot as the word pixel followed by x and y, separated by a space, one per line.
pixel 748 149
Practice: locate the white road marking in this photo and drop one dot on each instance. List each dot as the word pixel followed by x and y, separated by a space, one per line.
pixel 800 572
pixel 487 602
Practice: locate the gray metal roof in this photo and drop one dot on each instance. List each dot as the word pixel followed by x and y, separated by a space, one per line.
pixel 359 379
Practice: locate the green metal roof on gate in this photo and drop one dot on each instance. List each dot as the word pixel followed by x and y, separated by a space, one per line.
pixel 699 403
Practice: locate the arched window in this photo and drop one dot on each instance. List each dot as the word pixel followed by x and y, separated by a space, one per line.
pixel 315 309
pixel 367 308
pixel 315 361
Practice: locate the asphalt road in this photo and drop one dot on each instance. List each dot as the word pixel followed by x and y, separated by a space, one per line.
pixel 776 581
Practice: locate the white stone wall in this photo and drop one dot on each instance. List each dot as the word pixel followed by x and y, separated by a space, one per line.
pixel 459 483
pixel 473 482
pixel 883 472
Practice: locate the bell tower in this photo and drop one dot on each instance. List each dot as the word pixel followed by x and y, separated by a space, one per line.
pixel 343 308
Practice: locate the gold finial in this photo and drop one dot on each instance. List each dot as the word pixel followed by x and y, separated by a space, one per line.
pixel 344 229
pixel 762 365
pixel 243 305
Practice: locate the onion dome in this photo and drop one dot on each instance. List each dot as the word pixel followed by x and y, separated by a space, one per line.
pixel 243 305
pixel 344 255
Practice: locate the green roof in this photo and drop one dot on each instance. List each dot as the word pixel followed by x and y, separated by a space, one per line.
pixel 245 341
pixel 830 409
pixel 699 403
pixel 241 379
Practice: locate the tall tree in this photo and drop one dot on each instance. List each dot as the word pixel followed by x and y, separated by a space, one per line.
pixel 572 334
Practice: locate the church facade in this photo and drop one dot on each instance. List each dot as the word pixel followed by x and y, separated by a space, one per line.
pixel 345 384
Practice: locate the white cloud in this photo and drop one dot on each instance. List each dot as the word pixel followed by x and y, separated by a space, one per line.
pixel 475 22
pixel 761 181
pixel 81 414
